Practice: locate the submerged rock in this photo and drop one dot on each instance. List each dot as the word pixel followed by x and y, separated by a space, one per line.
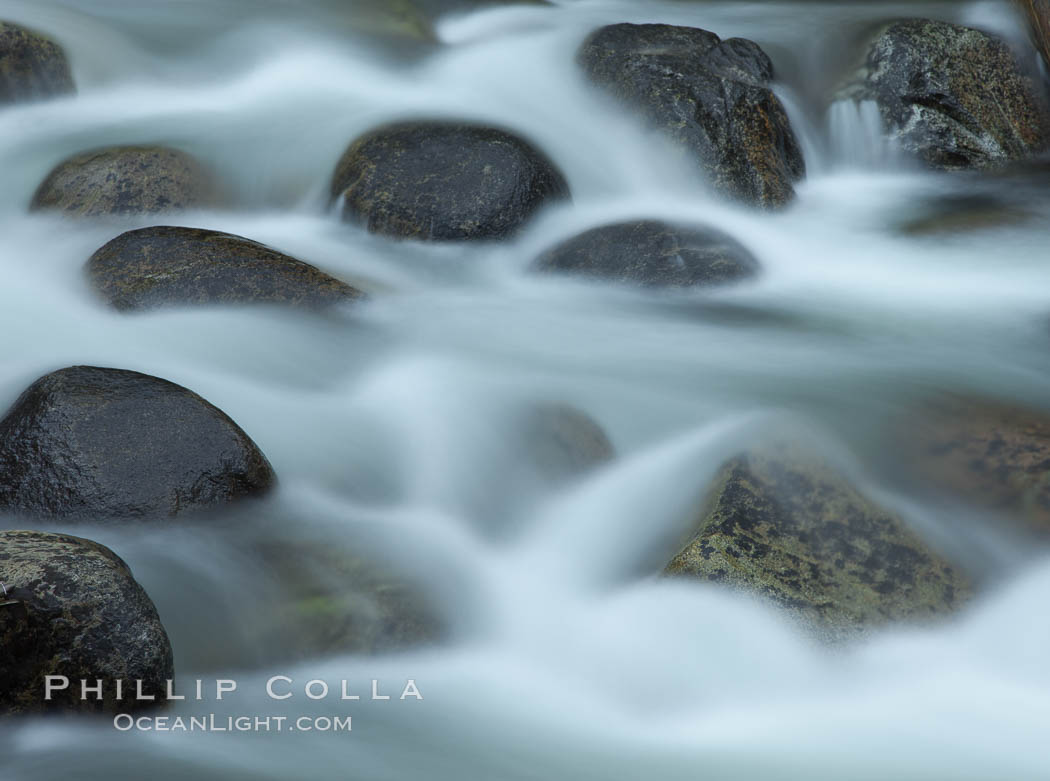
pixel 167 266
pixel 124 180
pixel 991 455
pixel 652 254
pixel 783 524
pixel 952 96
pixel 31 66
pixel 561 443
pixel 334 601
pixel 443 181
pixel 710 96
pixel 72 608
pixel 100 444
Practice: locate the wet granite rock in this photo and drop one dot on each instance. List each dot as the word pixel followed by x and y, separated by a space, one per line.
pixel 172 266
pixel 102 444
pixel 991 455
pixel 651 253
pixel 32 67
pixel 711 97
pixel 782 524
pixel 444 181
pixel 125 180
pixel 73 609
pixel 954 97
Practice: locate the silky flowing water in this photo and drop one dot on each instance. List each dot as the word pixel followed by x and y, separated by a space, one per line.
pixel 567 656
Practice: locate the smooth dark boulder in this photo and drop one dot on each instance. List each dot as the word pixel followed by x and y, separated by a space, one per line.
pixel 101 444
pixel 70 607
pixel 651 253
pixel 171 266
pixel 444 181
pixel 711 97
pixel 32 67
pixel 954 97
pixel 782 524
pixel 125 180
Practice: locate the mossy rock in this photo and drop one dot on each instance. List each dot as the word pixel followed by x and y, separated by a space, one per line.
pixel 651 253
pixel 710 97
pixel 782 524
pixel 70 607
pixel 444 181
pixel 953 97
pixel 101 444
pixel 32 67
pixel 173 266
pixel 991 455
pixel 125 180
pixel 333 600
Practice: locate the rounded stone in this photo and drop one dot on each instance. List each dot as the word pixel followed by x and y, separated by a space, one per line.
pixel 652 253
pixel 70 607
pixel 444 181
pixel 172 266
pixel 32 67
pixel 125 180
pixel 100 444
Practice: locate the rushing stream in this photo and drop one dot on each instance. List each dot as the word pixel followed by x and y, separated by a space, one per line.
pixel 566 658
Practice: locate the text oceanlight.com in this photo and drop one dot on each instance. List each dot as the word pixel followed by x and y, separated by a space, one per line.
pixel 213 723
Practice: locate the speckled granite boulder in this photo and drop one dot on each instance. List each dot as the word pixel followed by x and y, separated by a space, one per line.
pixel 32 67
pixel 651 253
pixel 125 180
pixel 169 266
pixel 782 524
pixel 100 444
pixel 952 96
pixel 711 97
pixel 444 181
pixel 73 609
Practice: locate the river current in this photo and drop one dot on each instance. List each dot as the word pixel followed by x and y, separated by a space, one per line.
pixel 567 658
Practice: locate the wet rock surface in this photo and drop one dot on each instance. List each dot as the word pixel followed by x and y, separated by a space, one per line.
pixel 711 97
pixel 173 266
pixel 125 180
pixel 954 97
pixel 32 67
pixel 651 253
pixel 442 181
pixel 101 444
pixel 73 609
pixel 780 523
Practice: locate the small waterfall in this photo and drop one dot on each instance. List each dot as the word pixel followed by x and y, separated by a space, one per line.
pixel 857 139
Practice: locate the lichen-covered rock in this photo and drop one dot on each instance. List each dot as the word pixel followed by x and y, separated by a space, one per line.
pixel 169 266
pixel 952 96
pixel 332 600
pixel 444 181
pixel 710 96
pixel 125 180
pixel 100 444
pixel 73 609
pixel 651 253
pixel 31 66
pixel 990 455
pixel 781 523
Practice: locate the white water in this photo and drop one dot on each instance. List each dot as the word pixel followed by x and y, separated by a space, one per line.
pixel 568 659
